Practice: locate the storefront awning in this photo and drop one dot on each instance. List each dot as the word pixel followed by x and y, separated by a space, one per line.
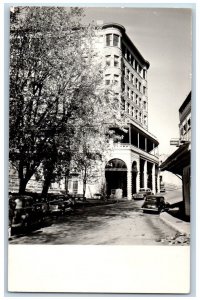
pixel 177 160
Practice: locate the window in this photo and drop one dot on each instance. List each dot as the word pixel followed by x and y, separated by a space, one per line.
pixel 123 104
pixel 136 99
pixel 75 186
pixel 123 49
pixel 107 80
pixel 108 60
pixel 116 61
pixel 145 120
pixel 144 90
pixel 115 40
pixel 139 87
pixel 128 108
pixel 136 114
pixel 145 105
pixel 132 112
pixel 140 117
pixel 127 73
pixel 136 64
pixel 140 102
pixel 108 39
pixel 181 130
pixel 116 79
pixel 144 74
pixel 189 123
pixel 128 89
pixel 132 95
pixel 136 83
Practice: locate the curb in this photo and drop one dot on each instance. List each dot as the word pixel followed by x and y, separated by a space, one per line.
pixel 179 225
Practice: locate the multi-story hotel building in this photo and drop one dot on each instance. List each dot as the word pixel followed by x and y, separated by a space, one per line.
pixel 133 162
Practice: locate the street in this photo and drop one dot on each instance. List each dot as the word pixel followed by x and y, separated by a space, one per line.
pixel 121 223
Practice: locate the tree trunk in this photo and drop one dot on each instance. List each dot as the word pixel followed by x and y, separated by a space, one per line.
pixel 46 185
pixel 84 182
pixel 23 178
pixel 22 185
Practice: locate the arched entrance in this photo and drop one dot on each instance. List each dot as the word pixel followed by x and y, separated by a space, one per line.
pixel 116 176
pixel 134 176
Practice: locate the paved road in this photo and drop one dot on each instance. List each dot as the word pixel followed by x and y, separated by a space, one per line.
pixel 121 223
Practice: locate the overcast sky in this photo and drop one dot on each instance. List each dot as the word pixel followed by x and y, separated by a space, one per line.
pixel 163 36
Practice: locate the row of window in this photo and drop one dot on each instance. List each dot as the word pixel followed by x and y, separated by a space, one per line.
pixel 112 80
pixel 112 61
pixel 112 40
pixel 133 62
pixel 186 127
pixel 133 96
pixel 135 113
pixel 134 81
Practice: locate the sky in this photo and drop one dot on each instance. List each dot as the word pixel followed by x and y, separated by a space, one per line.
pixel 164 38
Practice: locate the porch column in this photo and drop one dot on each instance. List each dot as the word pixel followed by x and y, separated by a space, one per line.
pixel 145 144
pixel 130 134
pixel 138 179
pixel 158 180
pixel 153 179
pixel 145 174
pixel 129 184
pixel 138 140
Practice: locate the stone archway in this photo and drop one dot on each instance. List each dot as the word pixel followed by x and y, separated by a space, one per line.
pixel 116 177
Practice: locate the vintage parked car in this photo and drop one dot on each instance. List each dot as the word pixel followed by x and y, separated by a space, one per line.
pixel 60 204
pixel 155 203
pixel 162 190
pixel 24 214
pixel 142 194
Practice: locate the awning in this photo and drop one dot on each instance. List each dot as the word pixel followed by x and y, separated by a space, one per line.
pixel 177 160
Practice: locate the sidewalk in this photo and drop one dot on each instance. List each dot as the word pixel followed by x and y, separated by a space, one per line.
pixel 179 225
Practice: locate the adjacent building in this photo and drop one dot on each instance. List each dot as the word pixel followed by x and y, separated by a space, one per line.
pixel 179 162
